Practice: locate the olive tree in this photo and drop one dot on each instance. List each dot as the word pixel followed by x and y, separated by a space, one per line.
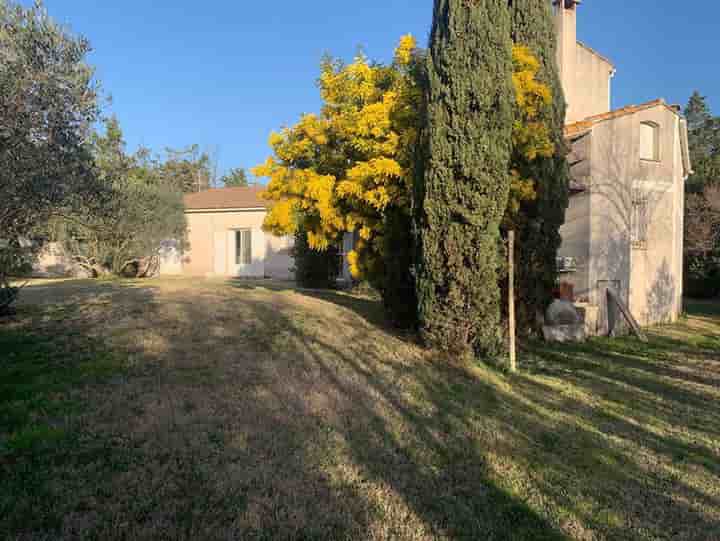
pixel 48 102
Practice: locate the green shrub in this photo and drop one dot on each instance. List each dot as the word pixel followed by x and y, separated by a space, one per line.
pixel 315 269
pixel 702 276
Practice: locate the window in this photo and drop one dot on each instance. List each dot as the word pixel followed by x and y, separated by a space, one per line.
pixel 649 141
pixel 639 220
pixel 243 247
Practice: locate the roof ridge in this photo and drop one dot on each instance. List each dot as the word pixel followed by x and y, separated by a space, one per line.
pixel 228 197
pixel 588 122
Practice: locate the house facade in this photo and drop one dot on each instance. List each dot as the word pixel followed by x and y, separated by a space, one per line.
pixel 624 226
pixel 225 238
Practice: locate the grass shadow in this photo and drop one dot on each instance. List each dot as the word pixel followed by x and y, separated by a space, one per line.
pixel 255 410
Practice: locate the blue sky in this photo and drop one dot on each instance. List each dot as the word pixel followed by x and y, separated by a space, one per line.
pixel 224 73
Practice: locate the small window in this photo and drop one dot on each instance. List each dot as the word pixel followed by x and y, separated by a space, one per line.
pixel 649 141
pixel 640 220
pixel 243 247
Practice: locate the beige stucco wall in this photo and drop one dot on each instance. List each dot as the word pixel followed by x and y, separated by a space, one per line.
pixel 590 92
pixel 657 270
pixel 211 246
pixel 585 74
pixel 649 277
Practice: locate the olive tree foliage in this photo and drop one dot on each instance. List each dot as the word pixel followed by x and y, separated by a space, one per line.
pixel 48 102
pixel 122 231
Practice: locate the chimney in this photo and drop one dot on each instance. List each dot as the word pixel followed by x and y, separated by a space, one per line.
pixel 566 27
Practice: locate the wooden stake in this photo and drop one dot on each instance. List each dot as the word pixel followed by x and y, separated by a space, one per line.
pixel 511 299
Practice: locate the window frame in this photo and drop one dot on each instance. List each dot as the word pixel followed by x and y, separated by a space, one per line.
pixel 243 253
pixel 656 150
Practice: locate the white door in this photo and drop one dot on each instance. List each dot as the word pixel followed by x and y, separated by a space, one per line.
pixel 248 252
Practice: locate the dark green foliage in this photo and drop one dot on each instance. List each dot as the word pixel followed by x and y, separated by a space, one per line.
pixel 704 143
pixel 464 189
pixel 313 268
pixel 540 220
pixel 400 251
pixel 398 288
pixel 702 202
pixel 702 276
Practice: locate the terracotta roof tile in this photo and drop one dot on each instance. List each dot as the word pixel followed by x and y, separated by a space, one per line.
pixel 587 124
pixel 226 198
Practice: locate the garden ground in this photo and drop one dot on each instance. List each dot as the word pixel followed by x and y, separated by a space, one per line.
pixel 179 409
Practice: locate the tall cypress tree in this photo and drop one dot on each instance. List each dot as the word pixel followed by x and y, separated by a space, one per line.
pixel 538 234
pixel 464 189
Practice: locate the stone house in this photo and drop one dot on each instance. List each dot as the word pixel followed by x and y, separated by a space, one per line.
pixel 624 227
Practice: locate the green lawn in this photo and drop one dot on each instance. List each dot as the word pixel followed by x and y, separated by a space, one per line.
pixel 209 410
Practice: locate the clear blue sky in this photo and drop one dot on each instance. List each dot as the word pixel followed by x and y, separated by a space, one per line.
pixel 224 73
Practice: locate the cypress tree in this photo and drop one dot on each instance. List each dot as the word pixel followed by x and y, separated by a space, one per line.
pixel 464 189
pixel 538 234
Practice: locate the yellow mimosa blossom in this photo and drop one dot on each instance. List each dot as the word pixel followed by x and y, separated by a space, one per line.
pixel 338 171
pixel 341 170
pixel 531 137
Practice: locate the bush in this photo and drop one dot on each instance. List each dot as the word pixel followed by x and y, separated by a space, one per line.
pixel 702 276
pixel 16 259
pixel 8 296
pixel 313 268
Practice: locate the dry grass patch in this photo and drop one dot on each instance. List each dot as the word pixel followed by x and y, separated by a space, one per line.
pixel 250 410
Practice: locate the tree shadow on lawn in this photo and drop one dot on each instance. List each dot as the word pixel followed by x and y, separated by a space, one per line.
pixel 259 415
pixel 578 471
pixel 447 435
pixel 250 425
pixel 365 306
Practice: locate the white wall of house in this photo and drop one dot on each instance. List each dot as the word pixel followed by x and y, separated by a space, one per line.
pixel 626 230
pixel 212 249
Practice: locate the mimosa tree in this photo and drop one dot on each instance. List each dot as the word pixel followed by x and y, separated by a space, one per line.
pixel 350 169
pixel 344 169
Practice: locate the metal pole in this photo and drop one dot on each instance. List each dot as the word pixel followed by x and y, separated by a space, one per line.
pixel 511 299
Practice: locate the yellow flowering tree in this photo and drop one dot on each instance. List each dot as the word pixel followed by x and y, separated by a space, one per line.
pixel 341 170
pixel 350 168
pixel 531 134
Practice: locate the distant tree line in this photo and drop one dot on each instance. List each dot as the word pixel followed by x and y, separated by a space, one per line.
pixel 702 205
